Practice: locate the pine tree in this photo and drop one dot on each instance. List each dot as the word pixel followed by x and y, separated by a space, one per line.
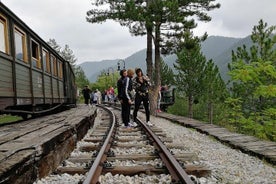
pixel 167 74
pixel 81 79
pixel 214 88
pixel 54 45
pixel 253 74
pixel 68 55
pixel 163 21
pixel 190 66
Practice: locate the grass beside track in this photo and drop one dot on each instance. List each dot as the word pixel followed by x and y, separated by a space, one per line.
pixel 8 119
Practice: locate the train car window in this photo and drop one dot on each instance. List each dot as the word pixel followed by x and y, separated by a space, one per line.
pixel 35 54
pixel 46 61
pixel 60 70
pixel 3 35
pixel 20 45
pixel 54 65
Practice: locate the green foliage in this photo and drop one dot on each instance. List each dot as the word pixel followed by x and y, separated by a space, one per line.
pixel 81 79
pixel 253 74
pixel 104 81
pixel 214 88
pixel 234 115
pixel 154 19
pixel 251 107
pixel 190 66
pixel 180 107
pixel 167 75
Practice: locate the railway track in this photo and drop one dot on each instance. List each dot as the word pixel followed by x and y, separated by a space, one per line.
pixel 111 153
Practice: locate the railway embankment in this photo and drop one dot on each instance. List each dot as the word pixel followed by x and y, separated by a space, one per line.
pixel 249 144
pixel 33 148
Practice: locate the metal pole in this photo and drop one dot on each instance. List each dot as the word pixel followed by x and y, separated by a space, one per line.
pixel 118 63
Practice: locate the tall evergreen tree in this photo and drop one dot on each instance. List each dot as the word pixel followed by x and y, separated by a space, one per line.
pixel 214 88
pixel 69 56
pixel 253 74
pixel 54 45
pixel 81 79
pixel 190 66
pixel 66 53
pixel 164 22
pixel 167 74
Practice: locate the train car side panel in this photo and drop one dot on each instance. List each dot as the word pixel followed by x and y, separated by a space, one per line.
pixel 55 90
pixel 23 85
pixel 37 84
pixel 6 83
pixel 48 87
pixel 61 90
pixel 37 87
pixel 69 82
pixel 32 74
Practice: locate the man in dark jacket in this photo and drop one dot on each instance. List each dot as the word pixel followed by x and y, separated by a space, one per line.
pixel 120 87
pixel 126 97
pixel 123 74
pixel 86 94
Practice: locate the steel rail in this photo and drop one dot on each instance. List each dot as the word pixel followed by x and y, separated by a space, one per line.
pixel 175 169
pixel 97 167
pixel 178 174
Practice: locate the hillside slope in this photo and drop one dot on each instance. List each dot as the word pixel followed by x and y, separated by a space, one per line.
pixel 217 48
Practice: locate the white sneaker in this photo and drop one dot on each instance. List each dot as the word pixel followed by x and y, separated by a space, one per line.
pixel 149 123
pixel 132 124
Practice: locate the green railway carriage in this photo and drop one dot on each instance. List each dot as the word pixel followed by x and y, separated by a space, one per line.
pixel 33 77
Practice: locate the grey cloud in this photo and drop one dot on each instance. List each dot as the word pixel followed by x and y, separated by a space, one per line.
pixel 65 21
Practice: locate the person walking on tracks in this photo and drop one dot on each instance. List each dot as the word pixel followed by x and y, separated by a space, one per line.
pixel 141 85
pixel 86 94
pixel 127 98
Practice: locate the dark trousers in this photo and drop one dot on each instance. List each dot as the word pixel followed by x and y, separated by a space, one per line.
pixel 86 100
pixel 125 111
pixel 138 100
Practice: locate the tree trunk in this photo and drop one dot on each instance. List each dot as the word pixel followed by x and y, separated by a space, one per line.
pixel 153 101
pixel 149 28
pixel 157 81
pixel 190 106
pixel 152 94
pixel 149 52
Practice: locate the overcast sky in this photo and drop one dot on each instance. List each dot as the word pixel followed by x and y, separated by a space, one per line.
pixel 64 21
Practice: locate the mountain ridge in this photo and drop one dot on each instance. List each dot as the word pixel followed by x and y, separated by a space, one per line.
pixel 217 48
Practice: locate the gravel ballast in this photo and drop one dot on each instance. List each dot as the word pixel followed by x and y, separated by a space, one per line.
pixel 228 165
